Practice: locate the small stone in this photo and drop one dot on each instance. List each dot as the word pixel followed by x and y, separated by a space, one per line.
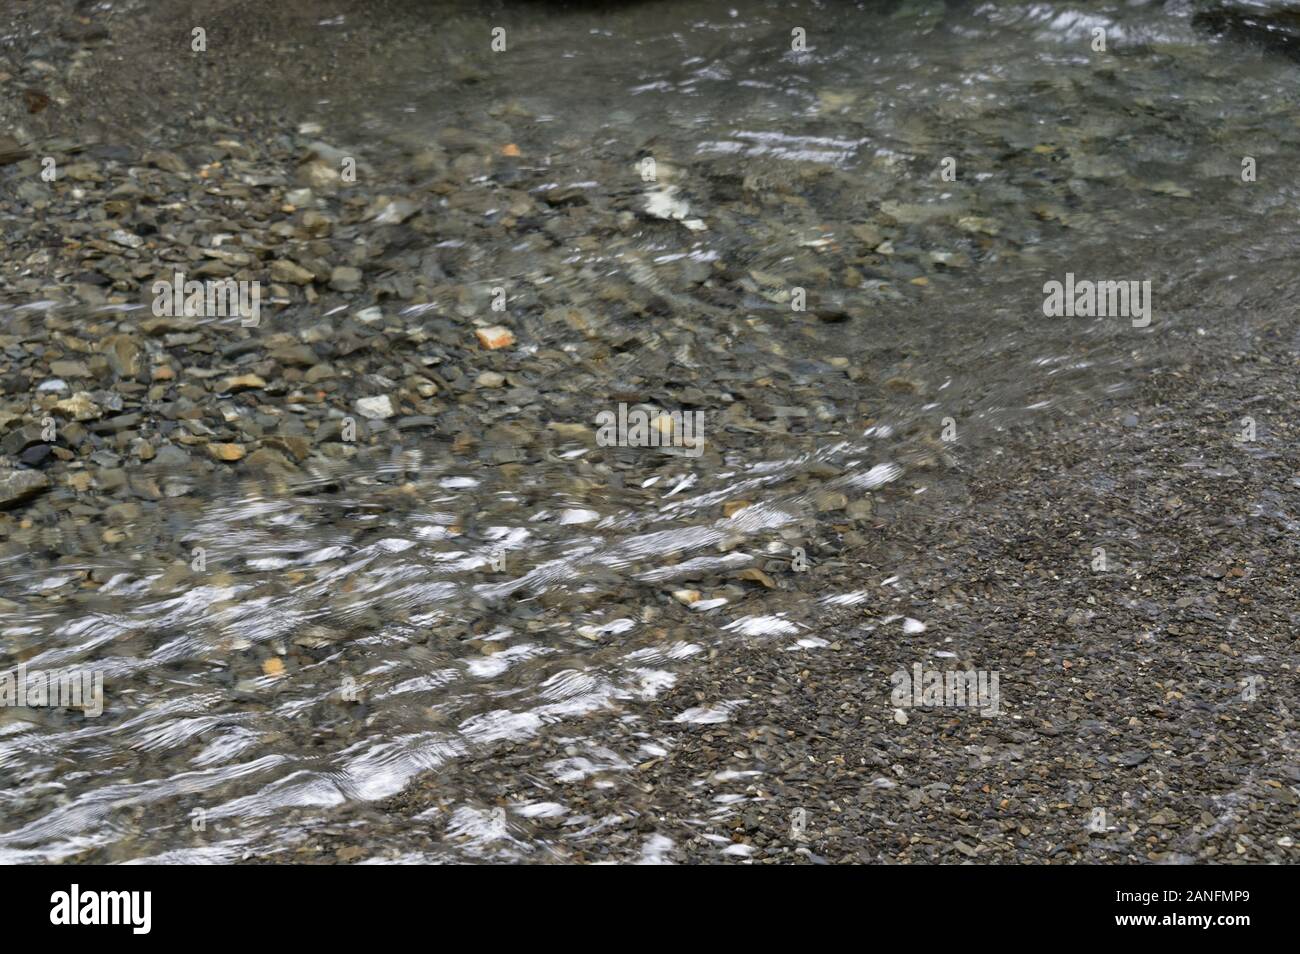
pixel 169 455
pixel 283 270
pixel 79 407
pixel 903 385
pixel 317 223
pixel 345 278
pixel 900 717
pixel 1132 758
pixel 273 667
pixel 395 212
pixel 490 379
pixel 123 354
pixel 757 575
pixel 375 408
pixel 19 485
pixel 125 238
pixel 119 422
pixel 226 452
pixel 868 235
pixel 859 509
pixel 572 432
pixel 111 479
pixel 950 259
pixel 831 500
pixel 1171 188
pixel 295 444
pixel 686 597
pixel 242 382
pixel 167 161
pixel 270 461
pixel 319 175
pixel 37 455
pixel 297 356
pixel 733 507
pixel 975 223
pixel 69 369
pixel 11 151
pixel 495 337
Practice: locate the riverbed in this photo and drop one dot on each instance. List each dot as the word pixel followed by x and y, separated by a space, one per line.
pixel 366 580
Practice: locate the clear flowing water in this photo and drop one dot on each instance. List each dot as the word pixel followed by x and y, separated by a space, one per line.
pixel 434 607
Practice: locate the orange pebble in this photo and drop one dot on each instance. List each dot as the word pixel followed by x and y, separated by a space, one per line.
pixel 495 337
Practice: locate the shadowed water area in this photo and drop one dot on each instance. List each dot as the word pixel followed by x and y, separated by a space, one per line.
pixel 290 642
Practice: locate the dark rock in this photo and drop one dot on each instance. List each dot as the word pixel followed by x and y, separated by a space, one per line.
pixel 37 455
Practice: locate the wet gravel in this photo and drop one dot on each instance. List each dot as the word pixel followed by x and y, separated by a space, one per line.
pixel 1122 690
